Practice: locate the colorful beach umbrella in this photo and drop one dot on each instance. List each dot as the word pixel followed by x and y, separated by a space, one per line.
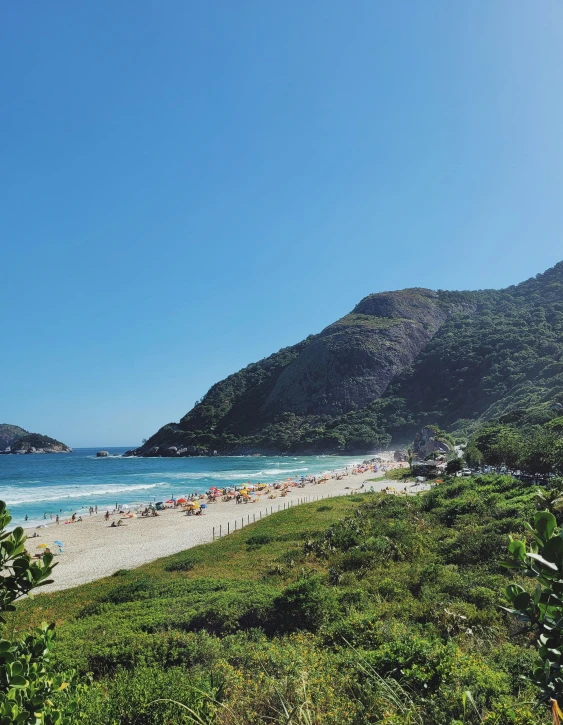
pixel 42 546
pixel 59 543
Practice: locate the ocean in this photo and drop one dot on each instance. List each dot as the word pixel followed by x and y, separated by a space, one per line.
pixel 64 483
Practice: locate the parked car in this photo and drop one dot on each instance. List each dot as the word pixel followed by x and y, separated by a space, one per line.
pixel 466 472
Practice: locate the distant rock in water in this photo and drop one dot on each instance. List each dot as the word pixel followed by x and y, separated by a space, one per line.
pixel 102 454
pixel 375 377
pixel 16 440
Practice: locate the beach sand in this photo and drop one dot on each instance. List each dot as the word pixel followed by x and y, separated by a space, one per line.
pixel 92 549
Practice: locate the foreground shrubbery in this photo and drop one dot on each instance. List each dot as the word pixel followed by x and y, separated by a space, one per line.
pixel 377 609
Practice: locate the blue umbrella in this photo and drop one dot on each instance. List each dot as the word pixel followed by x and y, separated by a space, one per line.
pixel 59 543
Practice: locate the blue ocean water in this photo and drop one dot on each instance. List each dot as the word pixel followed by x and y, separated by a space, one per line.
pixel 41 485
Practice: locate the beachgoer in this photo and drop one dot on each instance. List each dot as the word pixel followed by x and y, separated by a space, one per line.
pixel 57 519
pixel 113 525
pixel 45 515
pixel 96 509
pixel 26 517
pixel 73 517
pixel 106 515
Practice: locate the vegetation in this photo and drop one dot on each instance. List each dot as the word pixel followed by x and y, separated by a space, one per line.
pixel 9 433
pixel 29 691
pixel 399 361
pixel 541 608
pixel 535 450
pixel 373 609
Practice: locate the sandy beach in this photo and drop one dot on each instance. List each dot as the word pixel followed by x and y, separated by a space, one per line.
pixel 93 549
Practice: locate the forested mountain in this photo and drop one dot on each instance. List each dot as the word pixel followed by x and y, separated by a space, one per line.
pixel 14 439
pixel 397 361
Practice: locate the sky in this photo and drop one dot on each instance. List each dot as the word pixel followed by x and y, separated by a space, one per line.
pixel 187 187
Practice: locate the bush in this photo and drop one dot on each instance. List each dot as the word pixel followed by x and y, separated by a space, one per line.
pixel 307 604
pixel 258 540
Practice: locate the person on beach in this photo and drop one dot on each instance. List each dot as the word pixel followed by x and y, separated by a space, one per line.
pixel 73 518
pixel 57 520
pixel 106 515
pixel 96 509
pixel 26 517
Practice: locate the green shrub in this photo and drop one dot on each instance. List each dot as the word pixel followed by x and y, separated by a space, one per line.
pixel 307 604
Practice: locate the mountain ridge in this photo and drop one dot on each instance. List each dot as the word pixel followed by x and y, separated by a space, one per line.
pixel 397 361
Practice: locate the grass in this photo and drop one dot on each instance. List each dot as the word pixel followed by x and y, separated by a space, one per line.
pixel 227 559
pixel 369 609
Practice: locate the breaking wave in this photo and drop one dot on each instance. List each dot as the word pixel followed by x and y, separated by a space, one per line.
pixel 35 496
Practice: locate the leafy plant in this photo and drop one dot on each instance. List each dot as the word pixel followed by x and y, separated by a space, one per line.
pixel 541 609
pixel 29 692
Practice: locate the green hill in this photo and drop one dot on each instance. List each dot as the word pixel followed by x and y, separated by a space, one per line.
pixel 18 440
pixel 398 361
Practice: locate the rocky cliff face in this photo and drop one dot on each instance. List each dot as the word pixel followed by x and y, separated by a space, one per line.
pixel 14 439
pixel 351 363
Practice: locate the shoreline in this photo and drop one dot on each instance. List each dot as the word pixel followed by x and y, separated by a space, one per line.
pixel 93 549
pixel 103 483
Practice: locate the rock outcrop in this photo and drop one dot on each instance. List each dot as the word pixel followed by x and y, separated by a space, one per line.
pixel 430 440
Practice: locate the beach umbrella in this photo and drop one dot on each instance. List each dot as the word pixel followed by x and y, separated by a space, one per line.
pixel 42 546
pixel 59 543
pixel 181 500
pixel 171 500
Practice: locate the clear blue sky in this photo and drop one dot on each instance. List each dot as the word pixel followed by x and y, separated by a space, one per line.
pixel 189 186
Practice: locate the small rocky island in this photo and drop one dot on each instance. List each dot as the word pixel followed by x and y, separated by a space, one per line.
pixel 16 440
